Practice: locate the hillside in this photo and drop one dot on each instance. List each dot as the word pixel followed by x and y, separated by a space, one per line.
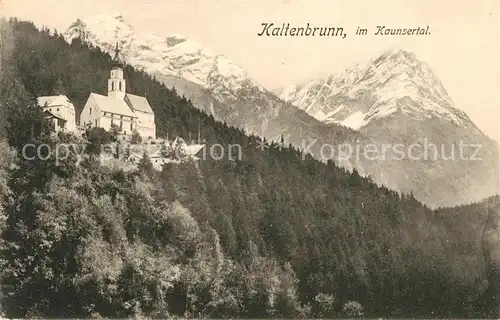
pixel 272 235
pixel 392 100
pixel 212 81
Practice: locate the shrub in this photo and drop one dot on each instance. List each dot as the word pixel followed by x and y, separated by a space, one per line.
pixel 353 309
pixel 136 138
pixel 325 304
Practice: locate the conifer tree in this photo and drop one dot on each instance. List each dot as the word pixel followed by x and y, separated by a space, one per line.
pixel 145 166
pixel 58 88
pixel 343 235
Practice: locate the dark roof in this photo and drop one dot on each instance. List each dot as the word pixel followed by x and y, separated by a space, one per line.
pixel 47 113
pixel 117 63
pixel 138 103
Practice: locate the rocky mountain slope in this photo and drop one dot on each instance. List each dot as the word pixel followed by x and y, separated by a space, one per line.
pixel 173 56
pixel 394 99
pixel 214 83
pixel 396 81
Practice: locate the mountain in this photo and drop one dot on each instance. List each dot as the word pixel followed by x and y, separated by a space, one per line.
pixel 271 236
pixel 394 100
pixel 375 90
pixel 214 83
pixel 173 58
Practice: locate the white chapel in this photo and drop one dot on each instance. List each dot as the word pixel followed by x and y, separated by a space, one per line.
pixel 127 111
pixel 60 111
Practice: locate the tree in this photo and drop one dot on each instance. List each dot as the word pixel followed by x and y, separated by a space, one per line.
pixel 145 166
pixel 58 88
pixel 353 309
pixel 115 132
pixel 180 150
pixel 490 244
pixel 22 119
pixel 166 150
pixel 136 138
pixel 127 152
pixel 325 305
pixel 97 137
pixel 118 151
pixel 334 227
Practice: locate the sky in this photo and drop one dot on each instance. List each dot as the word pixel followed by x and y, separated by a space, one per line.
pixel 462 49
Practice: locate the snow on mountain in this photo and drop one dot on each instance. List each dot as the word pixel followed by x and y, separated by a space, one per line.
pixel 174 55
pixel 396 81
pixel 394 99
pixel 385 101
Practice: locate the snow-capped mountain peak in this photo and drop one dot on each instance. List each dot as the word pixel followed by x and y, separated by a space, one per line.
pixel 174 55
pixel 394 82
pixel 385 98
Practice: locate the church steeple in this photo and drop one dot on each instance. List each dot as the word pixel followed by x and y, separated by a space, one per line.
pixel 116 58
pixel 116 83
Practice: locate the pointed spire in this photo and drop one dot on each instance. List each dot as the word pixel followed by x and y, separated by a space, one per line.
pixel 116 58
pixel 116 50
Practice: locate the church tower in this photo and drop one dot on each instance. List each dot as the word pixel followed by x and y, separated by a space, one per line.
pixel 116 83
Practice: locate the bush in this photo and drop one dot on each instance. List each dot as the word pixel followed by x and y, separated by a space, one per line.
pixel 136 138
pixel 115 131
pixel 353 309
pixel 97 138
pixel 325 304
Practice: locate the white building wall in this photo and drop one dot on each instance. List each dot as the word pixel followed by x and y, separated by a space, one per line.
pixel 91 114
pixel 116 84
pixel 128 125
pixel 105 123
pixel 116 73
pixel 97 118
pixel 67 112
pixel 146 124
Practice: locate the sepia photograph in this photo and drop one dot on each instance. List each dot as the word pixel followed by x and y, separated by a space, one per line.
pixel 249 159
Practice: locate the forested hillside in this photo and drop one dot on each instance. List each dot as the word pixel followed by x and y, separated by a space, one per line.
pixel 272 235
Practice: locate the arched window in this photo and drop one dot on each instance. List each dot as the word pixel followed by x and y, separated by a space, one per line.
pixel 112 86
pixel 120 85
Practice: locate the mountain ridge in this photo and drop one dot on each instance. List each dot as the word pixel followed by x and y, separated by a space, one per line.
pixel 374 87
pixel 402 92
pixel 204 239
pixel 173 55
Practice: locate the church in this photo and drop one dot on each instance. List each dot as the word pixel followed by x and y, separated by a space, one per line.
pixel 128 112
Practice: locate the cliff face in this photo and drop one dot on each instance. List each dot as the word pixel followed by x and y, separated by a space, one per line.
pixel 397 99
